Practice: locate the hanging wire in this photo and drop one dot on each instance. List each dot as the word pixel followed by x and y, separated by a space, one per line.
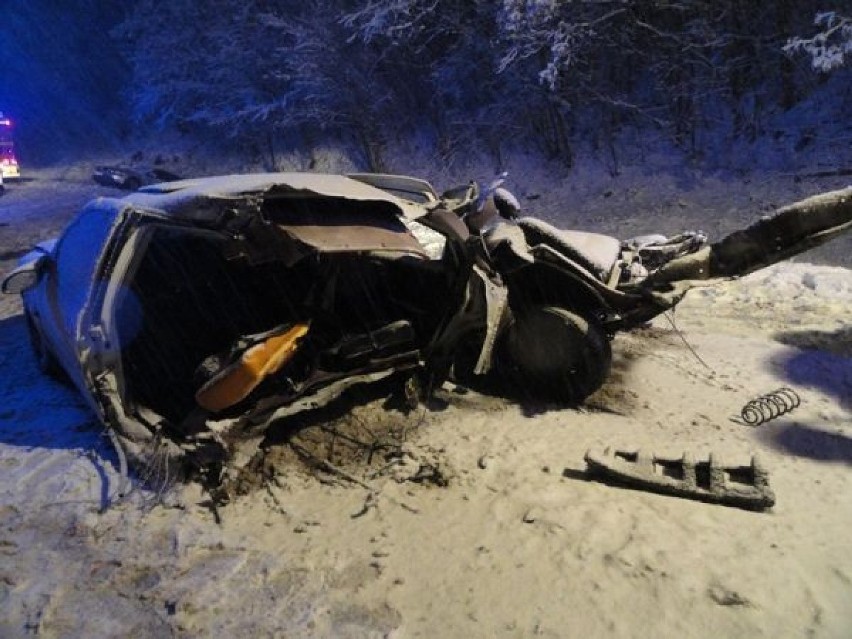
pixel 670 317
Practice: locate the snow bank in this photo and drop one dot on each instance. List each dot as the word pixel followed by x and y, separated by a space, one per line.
pixel 801 279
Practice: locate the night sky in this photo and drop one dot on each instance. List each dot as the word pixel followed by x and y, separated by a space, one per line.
pixel 62 78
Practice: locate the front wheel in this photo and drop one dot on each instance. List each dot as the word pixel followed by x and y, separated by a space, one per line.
pixel 557 355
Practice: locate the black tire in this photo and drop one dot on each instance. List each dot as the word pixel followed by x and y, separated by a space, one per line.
pixel 557 355
pixel 45 360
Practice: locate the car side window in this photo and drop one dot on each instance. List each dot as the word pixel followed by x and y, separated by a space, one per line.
pixel 77 257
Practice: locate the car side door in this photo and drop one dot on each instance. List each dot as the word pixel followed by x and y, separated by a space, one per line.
pixel 70 278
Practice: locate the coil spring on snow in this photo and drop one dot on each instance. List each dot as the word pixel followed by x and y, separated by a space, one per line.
pixel 770 406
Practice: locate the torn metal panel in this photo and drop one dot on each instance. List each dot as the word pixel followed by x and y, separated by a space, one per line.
pixel 334 224
pixel 355 238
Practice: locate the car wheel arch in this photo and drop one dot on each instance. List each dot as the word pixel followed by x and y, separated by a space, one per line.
pixel 46 360
pixel 557 354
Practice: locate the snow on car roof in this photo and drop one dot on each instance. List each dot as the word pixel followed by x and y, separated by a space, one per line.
pixel 174 197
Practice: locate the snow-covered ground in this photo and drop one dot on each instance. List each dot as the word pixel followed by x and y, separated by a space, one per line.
pixel 518 544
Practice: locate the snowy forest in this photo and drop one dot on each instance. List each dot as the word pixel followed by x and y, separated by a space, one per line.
pixel 713 79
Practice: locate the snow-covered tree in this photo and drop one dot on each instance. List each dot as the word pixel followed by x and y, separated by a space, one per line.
pixel 831 47
pixel 211 62
pixel 541 73
pixel 253 67
pixel 436 59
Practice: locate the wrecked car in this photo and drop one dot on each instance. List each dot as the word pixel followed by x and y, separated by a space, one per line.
pixel 194 314
pixel 131 178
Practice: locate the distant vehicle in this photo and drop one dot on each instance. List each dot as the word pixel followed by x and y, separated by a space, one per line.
pixel 132 178
pixel 8 162
pixel 194 315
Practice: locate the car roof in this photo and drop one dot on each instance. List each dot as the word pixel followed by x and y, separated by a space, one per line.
pixel 180 199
